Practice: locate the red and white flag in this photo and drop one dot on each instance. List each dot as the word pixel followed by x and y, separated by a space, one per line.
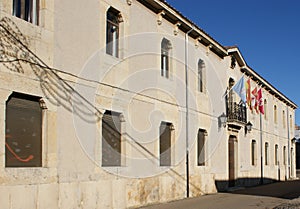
pixel 260 102
pixel 254 99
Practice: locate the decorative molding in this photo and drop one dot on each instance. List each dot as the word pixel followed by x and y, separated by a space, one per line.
pixel 129 2
pixel 160 17
pixel 176 28
pixel 233 62
pixel 197 41
pixel 209 47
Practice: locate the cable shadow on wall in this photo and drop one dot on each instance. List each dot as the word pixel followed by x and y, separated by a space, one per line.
pixel 16 56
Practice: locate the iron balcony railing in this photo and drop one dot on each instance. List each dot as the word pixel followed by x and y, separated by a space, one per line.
pixel 236 112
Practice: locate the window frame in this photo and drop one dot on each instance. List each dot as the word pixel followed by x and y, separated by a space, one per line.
pixel 166 47
pixel 27 10
pixel 253 153
pixel 112 38
pixel 201 147
pixel 201 76
pixel 284 155
pixel 266 109
pixel 283 119
pixel 25 98
pixel 109 120
pixel 267 154
pixel 165 146
pixel 276 154
pixel 275 114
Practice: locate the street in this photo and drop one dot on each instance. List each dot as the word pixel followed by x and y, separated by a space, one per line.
pixel 277 195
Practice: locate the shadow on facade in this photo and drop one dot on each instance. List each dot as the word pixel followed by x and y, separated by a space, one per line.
pixel 270 188
pixel 17 57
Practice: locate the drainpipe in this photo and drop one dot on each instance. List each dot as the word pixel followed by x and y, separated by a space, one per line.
pixel 187 113
pixel 289 146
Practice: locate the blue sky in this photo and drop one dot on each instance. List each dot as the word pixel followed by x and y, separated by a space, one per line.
pixel 267 33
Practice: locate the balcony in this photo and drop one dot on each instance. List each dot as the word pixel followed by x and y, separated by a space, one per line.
pixel 236 113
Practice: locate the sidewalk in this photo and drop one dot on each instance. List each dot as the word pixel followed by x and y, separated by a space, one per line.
pixel 260 197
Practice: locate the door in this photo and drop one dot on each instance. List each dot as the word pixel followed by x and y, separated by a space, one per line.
pixel 231 160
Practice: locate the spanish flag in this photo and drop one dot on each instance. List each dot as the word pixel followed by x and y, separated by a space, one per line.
pixel 248 93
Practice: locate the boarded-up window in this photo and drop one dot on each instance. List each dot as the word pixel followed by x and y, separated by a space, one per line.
pixel 27 10
pixel 275 114
pixel 266 153
pixel 283 119
pixel 165 144
pixel 276 155
pixel 201 147
pixel 284 155
pixel 23 131
pixel 266 109
pixel 253 152
pixel 111 139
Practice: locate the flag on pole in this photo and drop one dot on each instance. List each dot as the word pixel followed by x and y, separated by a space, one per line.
pixel 260 102
pixel 240 89
pixel 248 93
pixel 254 101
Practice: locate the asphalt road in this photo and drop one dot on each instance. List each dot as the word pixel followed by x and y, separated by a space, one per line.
pixel 262 197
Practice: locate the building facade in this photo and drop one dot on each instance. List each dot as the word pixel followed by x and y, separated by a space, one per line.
pixel 119 104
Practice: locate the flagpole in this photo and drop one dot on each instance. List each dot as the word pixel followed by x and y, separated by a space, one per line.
pixel 261 151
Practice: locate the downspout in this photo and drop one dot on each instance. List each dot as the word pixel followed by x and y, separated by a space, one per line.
pixel 288 135
pixel 187 113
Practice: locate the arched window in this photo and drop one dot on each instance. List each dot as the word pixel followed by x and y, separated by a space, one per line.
pixel 253 152
pixel 266 153
pixel 284 155
pixel 266 109
pixel 283 119
pixel 275 114
pixel 201 76
pixel 166 46
pixel 276 155
pixel 112 32
pixel 23 131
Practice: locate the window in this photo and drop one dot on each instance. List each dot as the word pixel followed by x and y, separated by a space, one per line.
pixel 275 114
pixel 266 153
pixel 27 10
pixel 113 18
pixel 111 139
pixel 284 155
pixel 276 155
pixel 266 109
pixel 253 152
pixel 165 60
pixel 165 143
pixel 291 122
pixel 23 131
pixel 283 119
pixel 201 147
pixel 201 76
